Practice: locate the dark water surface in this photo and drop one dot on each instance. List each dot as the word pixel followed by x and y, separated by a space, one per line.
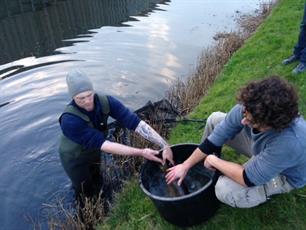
pixel 133 50
pixel 156 184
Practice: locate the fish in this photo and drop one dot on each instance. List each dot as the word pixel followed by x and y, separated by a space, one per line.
pixel 173 189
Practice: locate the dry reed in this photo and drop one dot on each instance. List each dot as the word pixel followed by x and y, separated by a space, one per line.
pixel 80 217
pixel 185 95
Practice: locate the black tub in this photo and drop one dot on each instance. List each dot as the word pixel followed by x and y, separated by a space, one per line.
pixel 192 203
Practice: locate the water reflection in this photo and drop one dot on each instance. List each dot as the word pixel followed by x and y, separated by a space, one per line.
pixel 13 70
pixel 44 29
pixel 4 104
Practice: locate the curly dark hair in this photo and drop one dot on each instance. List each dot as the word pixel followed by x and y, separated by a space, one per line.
pixel 271 102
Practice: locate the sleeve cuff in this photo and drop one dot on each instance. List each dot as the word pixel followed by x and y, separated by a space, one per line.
pixel 247 180
pixel 209 148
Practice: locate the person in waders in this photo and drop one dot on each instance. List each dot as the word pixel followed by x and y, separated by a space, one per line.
pixel 84 125
pixel 265 126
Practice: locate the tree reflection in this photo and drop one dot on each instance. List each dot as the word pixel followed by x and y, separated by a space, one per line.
pixel 38 27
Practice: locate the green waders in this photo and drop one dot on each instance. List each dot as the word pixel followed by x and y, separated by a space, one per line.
pixel 81 165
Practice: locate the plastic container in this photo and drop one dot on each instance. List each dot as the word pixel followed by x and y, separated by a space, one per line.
pixel 190 204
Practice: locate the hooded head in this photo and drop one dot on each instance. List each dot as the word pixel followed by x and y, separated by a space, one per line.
pixel 78 82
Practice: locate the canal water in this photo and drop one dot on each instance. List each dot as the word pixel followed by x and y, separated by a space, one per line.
pixel 134 50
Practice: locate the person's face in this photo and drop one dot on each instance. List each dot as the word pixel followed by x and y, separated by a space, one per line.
pixel 249 121
pixel 85 100
pixel 247 118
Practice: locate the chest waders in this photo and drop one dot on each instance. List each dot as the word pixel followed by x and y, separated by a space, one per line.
pixel 83 165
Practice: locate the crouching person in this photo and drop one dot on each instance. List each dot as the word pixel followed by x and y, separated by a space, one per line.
pixel 266 126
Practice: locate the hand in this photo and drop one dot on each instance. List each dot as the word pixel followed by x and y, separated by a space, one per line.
pixel 168 155
pixel 176 172
pixel 150 155
pixel 207 163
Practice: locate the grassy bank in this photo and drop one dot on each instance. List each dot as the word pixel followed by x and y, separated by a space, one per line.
pixel 260 56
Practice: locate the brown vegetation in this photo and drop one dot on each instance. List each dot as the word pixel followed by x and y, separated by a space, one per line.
pixel 79 217
pixel 185 95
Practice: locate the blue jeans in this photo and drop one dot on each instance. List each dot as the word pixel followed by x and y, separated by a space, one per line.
pixel 300 47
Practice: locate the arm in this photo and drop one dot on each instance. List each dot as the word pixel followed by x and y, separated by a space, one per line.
pixel 116 148
pixel 281 155
pixel 131 121
pixel 261 168
pixel 179 171
pixel 78 131
pixel 147 132
pixel 229 169
pixel 228 128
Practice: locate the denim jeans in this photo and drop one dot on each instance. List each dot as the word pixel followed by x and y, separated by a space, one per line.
pixel 300 47
pixel 232 193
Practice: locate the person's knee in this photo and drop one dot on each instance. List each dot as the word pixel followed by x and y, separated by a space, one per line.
pixel 231 193
pixel 211 122
pixel 224 192
pixel 216 117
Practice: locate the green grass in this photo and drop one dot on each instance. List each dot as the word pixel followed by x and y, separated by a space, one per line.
pixel 260 56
